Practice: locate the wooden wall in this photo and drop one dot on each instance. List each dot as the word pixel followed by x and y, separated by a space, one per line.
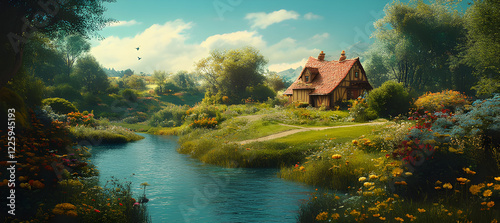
pixel 301 95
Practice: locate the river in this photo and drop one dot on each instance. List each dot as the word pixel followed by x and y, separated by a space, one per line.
pixel 186 190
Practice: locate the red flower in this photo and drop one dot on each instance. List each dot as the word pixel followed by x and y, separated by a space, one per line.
pixel 120 204
pixel 97 211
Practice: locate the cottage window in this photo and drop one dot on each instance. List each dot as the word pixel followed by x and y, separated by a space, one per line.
pixel 356 74
pixel 307 78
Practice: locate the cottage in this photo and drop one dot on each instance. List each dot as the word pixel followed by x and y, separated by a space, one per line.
pixel 325 83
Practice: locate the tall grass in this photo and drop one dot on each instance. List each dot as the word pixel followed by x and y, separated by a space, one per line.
pixel 104 134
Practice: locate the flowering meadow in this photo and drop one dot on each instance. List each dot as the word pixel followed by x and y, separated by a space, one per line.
pixel 54 181
pixel 438 165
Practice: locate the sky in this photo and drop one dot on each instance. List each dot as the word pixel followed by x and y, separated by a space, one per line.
pixel 174 35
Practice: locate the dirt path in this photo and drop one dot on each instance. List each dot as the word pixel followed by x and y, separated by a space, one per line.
pixel 300 129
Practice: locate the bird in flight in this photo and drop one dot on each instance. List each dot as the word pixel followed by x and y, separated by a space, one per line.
pixel 137 48
pixel 138 58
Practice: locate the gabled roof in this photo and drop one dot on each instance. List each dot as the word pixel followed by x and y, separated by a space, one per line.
pixel 331 73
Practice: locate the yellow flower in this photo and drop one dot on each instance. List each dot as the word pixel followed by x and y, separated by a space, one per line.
pixel 490 204
pixel 361 179
pixel 355 213
pixel 302 168
pixel 463 180
pixel 376 215
pixel 399 219
pixel 368 184
pixel 355 142
pixel 382 218
pixel 474 189
pixel 408 173
pixel 459 212
pixel 322 216
pixel 496 187
pixel 336 156
pixel 439 182
pixel 468 171
pixel 487 193
pixel 421 210
pixel 447 186
pixel 372 176
pixel 335 216
pixel 401 183
pixel 497 178
pixel 489 185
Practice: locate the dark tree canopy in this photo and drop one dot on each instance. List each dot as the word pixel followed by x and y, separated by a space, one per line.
pixel 91 76
pixel 21 20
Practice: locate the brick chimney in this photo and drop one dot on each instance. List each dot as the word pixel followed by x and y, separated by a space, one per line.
pixel 321 56
pixel 342 56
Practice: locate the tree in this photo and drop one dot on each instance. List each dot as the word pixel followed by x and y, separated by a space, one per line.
pixel 390 99
pixel 184 80
pixel 418 42
pixel 230 72
pixel 71 47
pixel 134 82
pixel 90 74
pixel 483 45
pixel 41 59
pixel 274 81
pixel 159 78
pixel 21 20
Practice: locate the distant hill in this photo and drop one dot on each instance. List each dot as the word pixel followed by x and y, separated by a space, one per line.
pixel 291 74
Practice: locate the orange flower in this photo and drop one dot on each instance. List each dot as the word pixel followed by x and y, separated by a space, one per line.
pixel 447 186
pixel 421 210
pixel 336 156
pixel 490 204
pixel 463 180
pixel 487 193
pixel 399 219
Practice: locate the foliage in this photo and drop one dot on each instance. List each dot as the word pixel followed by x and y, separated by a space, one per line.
pixel 417 44
pixel 447 99
pixel 231 72
pixel 170 116
pixel 483 117
pixel 205 115
pixel 360 111
pixel 159 77
pixel 104 134
pixel 184 80
pixel 75 17
pixel 60 105
pixel 134 82
pixel 129 95
pixel 390 99
pixel 275 82
pixel 71 47
pixel 483 45
pixel 259 93
pixel 83 119
pixel 65 91
pixel 90 74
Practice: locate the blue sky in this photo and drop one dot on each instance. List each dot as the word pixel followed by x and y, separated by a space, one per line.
pixel 173 35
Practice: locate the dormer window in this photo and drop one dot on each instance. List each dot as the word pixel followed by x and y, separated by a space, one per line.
pixel 356 74
pixel 307 78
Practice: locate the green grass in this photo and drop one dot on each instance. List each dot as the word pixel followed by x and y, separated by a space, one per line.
pixel 109 134
pixel 183 98
pixel 137 127
pixel 340 135
pixel 252 130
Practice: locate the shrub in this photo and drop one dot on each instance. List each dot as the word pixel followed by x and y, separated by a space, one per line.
pixel 66 91
pixel 260 92
pixel 391 99
pixel 77 118
pixel 170 116
pixel 60 105
pixel 360 111
pixel 441 100
pixel 129 95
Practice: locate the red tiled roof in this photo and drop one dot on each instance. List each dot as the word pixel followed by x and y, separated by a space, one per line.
pixel 331 73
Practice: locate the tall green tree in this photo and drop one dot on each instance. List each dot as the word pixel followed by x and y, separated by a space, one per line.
pixel 21 20
pixel 72 47
pixel 42 60
pixel 184 80
pixel 482 49
pixel 91 75
pixel 418 42
pixel 159 78
pixel 230 72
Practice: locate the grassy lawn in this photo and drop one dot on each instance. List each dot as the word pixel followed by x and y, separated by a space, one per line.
pixel 183 98
pixel 137 127
pixel 339 135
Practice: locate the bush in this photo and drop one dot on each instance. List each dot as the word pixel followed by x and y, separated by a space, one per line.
pixel 441 100
pixel 129 95
pixel 66 91
pixel 391 99
pixel 360 111
pixel 60 105
pixel 170 116
pixel 260 93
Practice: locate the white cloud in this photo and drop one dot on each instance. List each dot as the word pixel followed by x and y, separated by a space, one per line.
pixel 234 40
pixel 285 66
pixel 124 23
pixel 311 16
pixel 262 20
pixel 167 47
pixel 320 37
